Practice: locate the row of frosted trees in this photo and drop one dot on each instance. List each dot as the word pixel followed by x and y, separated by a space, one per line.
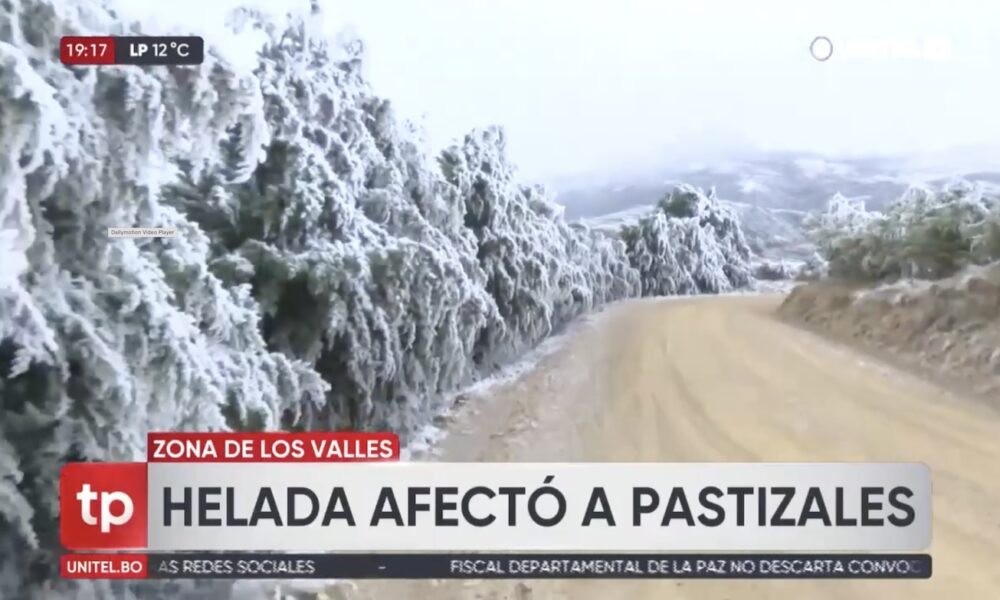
pixel 326 273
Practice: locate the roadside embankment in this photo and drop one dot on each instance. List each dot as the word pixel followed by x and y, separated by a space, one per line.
pixel 948 328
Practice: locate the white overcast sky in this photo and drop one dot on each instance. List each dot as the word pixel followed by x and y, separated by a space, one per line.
pixel 597 85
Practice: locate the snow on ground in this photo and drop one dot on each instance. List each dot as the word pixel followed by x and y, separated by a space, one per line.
pixel 424 442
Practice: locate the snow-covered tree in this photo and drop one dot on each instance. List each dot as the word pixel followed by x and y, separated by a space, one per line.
pixel 375 265
pixel 815 267
pixel 541 271
pixel 925 233
pixel 104 339
pixel 690 244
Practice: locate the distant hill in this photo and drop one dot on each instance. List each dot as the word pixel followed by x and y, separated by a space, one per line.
pixel 785 180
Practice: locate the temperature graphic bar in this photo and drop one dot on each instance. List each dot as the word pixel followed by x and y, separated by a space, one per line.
pixel 131 50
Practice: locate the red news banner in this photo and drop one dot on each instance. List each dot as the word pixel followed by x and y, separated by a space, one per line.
pixel 272 447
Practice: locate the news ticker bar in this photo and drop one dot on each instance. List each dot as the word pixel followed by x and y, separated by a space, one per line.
pixel 132 50
pixel 496 566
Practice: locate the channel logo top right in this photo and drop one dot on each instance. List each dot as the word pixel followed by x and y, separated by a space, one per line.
pixel 823 48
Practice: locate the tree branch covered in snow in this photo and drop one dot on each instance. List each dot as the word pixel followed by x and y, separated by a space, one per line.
pixel 690 244
pixel 102 340
pixel 540 271
pixel 926 233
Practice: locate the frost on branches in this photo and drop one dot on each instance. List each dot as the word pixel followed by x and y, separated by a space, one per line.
pixel 540 271
pixel 354 245
pixel 326 272
pixel 690 244
pixel 926 233
pixel 103 339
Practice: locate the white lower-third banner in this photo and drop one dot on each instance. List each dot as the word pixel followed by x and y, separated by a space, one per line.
pixel 497 507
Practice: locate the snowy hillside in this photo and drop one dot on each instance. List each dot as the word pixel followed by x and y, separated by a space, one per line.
pixel 326 273
pixel 801 182
pixel 774 233
pixel 778 199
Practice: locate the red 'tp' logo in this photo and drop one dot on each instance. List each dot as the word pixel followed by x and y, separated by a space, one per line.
pixel 102 506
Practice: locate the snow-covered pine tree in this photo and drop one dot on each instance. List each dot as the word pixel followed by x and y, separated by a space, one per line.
pixel 540 270
pixel 354 244
pixel 689 244
pixel 103 339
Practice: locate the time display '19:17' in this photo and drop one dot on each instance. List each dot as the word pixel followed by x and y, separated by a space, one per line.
pixel 89 50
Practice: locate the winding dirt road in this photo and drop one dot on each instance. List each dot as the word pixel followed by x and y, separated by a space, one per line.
pixel 722 379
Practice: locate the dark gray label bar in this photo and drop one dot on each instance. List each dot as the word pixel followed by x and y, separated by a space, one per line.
pixel 538 566
pixel 151 50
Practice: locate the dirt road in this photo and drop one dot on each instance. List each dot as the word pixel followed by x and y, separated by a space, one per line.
pixel 722 379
